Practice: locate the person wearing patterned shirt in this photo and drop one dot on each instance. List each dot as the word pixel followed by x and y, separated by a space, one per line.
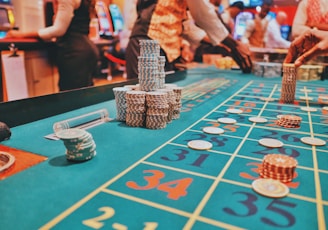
pixel 162 20
pixel 274 37
pixel 310 14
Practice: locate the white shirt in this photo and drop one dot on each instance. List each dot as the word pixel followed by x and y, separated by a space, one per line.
pixel 228 20
pixel 64 11
pixel 192 33
pixel 274 38
pixel 214 28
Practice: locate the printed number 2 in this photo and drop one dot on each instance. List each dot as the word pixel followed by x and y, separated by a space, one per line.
pixel 175 189
pixel 109 212
pixel 96 221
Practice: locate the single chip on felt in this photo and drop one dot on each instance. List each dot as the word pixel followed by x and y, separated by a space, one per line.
pixel 270 142
pixel 72 133
pixel 313 141
pixel 213 130
pixel 267 99
pixel 258 119
pixel 270 188
pixel 200 145
pixel 234 111
pixel 6 160
pixel 5 132
pixel 226 120
pixel 323 97
pixel 306 90
pixel 306 98
pixel 309 109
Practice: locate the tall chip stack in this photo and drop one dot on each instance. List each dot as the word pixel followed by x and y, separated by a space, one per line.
pixel 161 72
pixel 288 85
pixel 148 67
pixel 120 99
pixel 151 103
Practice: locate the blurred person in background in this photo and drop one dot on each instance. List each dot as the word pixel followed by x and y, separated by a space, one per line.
pixel 229 15
pixel 162 21
pixel 255 32
pixel 310 14
pixel 77 55
pixel 274 37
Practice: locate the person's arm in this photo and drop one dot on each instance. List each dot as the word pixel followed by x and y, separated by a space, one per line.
pixel 274 36
pixel 299 23
pixel 250 25
pixel 130 13
pixel 319 26
pixel 206 18
pixel 192 33
pixel 307 46
pixel 64 15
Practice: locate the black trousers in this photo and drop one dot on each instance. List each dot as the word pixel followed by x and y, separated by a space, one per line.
pixel 77 58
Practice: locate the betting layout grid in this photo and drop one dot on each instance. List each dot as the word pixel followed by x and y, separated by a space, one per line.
pixel 225 173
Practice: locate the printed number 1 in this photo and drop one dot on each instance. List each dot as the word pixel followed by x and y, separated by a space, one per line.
pixel 175 188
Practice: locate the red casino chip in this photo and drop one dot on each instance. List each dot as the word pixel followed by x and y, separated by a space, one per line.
pixel 279 167
pixel 289 121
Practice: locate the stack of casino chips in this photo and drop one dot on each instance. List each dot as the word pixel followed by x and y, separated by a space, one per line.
pixel 161 72
pixel 177 102
pixel 150 66
pixel 157 110
pixel 278 167
pixel 119 93
pixel 289 121
pixel 79 144
pixel 267 69
pixel 288 85
pixel 136 108
pixel 171 101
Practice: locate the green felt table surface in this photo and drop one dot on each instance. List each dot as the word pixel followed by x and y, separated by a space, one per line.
pixel 149 179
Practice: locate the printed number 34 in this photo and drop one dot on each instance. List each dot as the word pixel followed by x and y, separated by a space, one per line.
pixel 175 188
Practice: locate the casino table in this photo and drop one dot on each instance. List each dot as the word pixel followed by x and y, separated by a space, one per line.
pixel 150 179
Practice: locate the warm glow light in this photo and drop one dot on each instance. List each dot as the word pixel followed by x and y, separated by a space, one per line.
pixel 11 17
pixel 258 8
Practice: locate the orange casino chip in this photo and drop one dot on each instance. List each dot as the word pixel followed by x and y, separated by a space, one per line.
pixel 279 167
pixel 280 160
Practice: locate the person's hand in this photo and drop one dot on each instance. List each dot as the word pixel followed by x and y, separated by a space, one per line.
pixel 240 53
pixel 245 58
pixel 186 54
pixel 14 34
pixel 307 46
